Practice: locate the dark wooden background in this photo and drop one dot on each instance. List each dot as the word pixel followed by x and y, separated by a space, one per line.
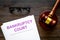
pixel 37 6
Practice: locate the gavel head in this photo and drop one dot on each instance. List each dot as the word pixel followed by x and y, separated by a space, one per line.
pixel 47 22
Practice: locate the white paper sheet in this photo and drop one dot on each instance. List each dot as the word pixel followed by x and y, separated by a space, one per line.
pixel 21 29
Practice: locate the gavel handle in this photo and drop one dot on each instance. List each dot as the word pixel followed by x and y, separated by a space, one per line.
pixel 54 8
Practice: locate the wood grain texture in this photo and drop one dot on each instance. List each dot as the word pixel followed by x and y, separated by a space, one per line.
pixel 36 9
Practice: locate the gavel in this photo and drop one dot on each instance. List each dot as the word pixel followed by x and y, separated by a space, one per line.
pixel 48 19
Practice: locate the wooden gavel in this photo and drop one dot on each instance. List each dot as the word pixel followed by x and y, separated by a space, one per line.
pixel 48 19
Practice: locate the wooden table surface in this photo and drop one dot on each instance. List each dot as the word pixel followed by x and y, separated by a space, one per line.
pixel 37 6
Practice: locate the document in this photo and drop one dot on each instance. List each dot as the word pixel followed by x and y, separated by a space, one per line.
pixel 21 29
